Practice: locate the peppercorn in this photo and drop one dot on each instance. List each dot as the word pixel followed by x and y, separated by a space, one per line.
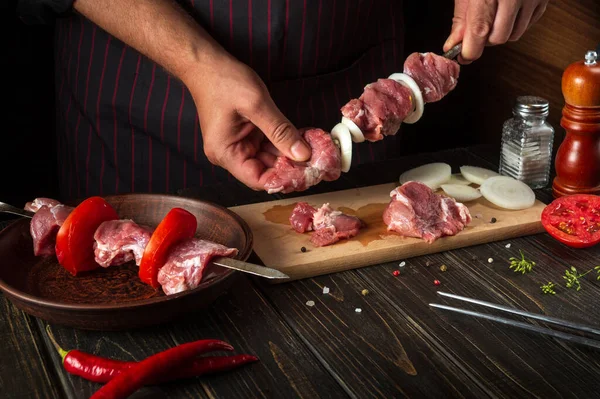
pixel 396 272
pixel 303 249
pixel 443 268
pixel 494 220
pixel 365 292
pixel 436 282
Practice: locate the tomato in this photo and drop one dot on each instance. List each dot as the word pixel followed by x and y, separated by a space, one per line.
pixel 574 220
pixel 176 226
pixel 75 239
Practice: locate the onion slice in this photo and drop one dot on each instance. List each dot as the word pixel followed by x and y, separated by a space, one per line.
pixel 433 175
pixel 342 138
pixel 419 104
pixel 458 178
pixel 460 192
pixel 355 132
pixel 475 174
pixel 507 193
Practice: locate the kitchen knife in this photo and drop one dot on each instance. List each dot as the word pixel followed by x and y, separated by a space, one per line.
pixel 250 268
pixel 229 263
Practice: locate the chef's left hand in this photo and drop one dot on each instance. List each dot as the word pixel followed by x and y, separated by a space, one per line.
pixel 480 23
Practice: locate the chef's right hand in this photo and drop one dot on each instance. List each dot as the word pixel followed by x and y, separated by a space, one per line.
pixel 478 23
pixel 242 128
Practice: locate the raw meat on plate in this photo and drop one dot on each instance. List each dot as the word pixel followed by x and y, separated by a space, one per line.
pixel 120 241
pixel 44 227
pixel 329 226
pixel 416 211
pixel 186 262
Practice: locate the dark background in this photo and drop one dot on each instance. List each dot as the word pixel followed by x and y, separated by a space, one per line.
pixel 474 114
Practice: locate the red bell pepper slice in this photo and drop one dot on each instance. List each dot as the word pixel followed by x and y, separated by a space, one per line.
pixel 176 226
pixel 75 239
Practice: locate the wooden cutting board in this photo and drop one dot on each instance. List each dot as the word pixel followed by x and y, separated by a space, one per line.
pixel 279 247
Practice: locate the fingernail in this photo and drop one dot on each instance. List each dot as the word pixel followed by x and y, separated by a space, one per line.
pixel 300 151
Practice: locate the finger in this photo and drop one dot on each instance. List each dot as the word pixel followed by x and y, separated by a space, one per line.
pixel 504 22
pixel 522 23
pixel 279 130
pixel 249 171
pixel 458 24
pixel 267 159
pixel 539 12
pixel 267 146
pixel 480 19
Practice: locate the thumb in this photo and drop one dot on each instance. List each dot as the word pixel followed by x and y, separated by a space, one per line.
pixel 280 131
pixel 458 24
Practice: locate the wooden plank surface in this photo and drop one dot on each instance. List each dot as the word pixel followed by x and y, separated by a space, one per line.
pixel 287 369
pixel 278 246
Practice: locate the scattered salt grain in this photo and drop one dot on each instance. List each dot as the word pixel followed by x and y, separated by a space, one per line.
pixel 358 310
pixel 310 303
pixel 402 264
pixel 490 260
pixel 325 290
pixel 507 245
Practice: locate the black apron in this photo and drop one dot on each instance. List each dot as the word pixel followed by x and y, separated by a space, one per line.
pixel 124 125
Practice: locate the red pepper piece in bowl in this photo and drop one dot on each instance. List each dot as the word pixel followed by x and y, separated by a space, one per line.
pixel 75 239
pixel 176 226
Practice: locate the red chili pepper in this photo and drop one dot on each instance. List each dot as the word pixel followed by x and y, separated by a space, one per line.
pixel 153 368
pixel 100 369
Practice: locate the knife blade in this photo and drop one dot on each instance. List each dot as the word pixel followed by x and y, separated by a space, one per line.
pixel 453 52
pixel 6 208
pixel 250 268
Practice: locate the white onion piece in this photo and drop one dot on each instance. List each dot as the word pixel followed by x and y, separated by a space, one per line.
pixel 433 175
pixel 409 82
pixel 342 138
pixel 507 193
pixel 458 178
pixel 475 174
pixel 355 132
pixel 460 192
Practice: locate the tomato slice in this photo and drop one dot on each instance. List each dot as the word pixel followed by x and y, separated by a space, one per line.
pixel 75 238
pixel 574 220
pixel 176 226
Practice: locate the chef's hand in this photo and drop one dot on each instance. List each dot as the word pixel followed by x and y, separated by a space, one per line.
pixel 480 23
pixel 242 128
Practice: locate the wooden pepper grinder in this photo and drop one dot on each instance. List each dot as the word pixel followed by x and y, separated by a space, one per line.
pixel 577 161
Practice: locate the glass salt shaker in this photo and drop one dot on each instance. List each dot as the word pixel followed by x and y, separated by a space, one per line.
pixel 527 140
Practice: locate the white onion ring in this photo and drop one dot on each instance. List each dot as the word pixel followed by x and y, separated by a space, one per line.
pixel 340 134
pixel 355 132
pixel 409 82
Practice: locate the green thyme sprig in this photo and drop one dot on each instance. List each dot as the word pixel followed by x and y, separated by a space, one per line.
pixel 521 265
pixel 548 288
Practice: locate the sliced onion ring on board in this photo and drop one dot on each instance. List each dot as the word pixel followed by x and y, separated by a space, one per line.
pixel 355 132
pixel 460 192
pixel 475 174
pixel 433 175
pixel 458 178
pixel 507 193
pixel 409 82
pixel 342 138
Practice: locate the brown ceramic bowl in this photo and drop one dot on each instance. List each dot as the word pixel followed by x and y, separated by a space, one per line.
pixel 115 298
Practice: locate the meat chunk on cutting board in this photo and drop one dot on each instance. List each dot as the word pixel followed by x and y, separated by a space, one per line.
pixel 329 225
pixel 416 211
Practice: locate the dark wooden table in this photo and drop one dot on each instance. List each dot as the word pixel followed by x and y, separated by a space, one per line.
pixel 396 347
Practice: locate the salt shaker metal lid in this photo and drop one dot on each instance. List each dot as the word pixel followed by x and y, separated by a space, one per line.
pixel 531 105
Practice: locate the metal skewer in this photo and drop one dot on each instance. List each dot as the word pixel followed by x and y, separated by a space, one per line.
pixel 453 52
